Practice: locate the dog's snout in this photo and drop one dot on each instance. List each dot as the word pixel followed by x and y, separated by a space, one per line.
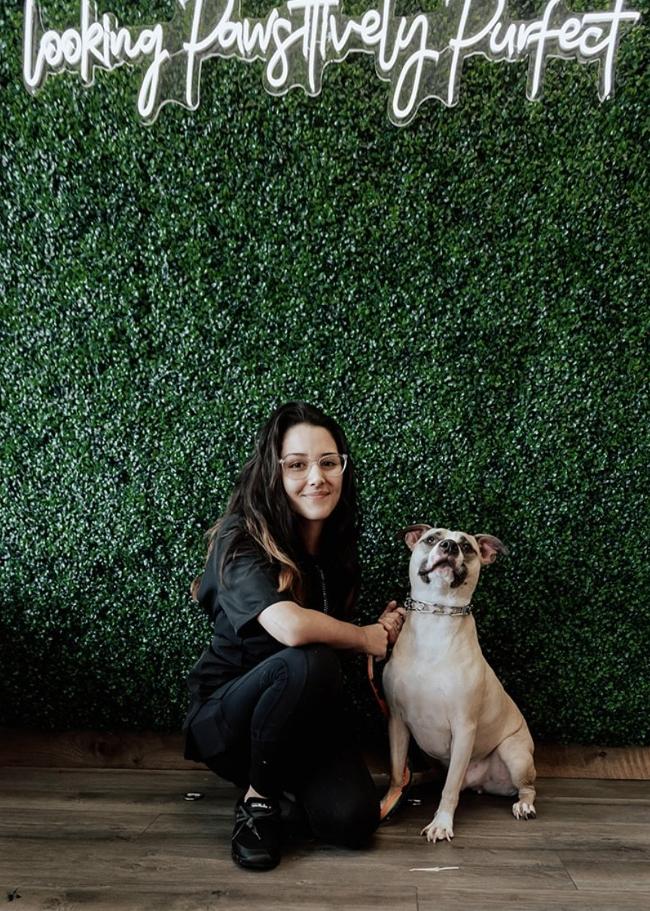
pixel 449 547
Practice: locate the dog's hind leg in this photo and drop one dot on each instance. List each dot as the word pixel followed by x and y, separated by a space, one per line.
pixel 516 752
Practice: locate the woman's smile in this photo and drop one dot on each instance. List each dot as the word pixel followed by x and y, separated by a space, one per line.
pixel 315 496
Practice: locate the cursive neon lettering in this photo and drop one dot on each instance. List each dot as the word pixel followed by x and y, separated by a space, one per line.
pixel 420 56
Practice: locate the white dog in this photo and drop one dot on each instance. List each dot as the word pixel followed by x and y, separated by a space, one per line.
pixel 440 688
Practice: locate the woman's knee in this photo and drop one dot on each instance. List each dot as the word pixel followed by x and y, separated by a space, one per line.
pixel 324 667
pixel 317 666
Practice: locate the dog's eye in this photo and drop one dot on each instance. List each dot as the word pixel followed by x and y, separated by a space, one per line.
pixel 430 540
pixel 466 547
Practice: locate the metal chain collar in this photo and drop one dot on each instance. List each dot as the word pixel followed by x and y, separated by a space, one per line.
pixel 425 607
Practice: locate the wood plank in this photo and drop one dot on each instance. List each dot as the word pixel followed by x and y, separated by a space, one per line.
pixel 497 810
pixel 248 895
pixel 593 789
pixel 115 790
pixel 162 781
pixel 299 897
pixel 151 750
pixel 609 875
pixel 54 825
pixel 396 853
pixel 473 837
pixel 434 898
pixel 175 867
pixel 476 836
pixel 558 838
pixel 165 782
pixel 166 865
pixel 158 781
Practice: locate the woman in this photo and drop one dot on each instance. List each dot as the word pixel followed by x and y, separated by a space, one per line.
pixel 280 585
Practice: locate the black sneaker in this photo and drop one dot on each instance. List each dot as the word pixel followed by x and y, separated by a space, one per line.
pixel 256 835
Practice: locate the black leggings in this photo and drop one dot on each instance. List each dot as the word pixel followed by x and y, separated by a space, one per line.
pixel 280 731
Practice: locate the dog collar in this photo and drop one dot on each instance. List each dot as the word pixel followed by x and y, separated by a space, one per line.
pixel 425 607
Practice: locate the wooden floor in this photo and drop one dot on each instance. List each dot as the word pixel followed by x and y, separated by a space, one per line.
pixel 118 840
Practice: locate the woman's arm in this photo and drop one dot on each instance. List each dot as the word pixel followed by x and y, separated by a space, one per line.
pixel 293 625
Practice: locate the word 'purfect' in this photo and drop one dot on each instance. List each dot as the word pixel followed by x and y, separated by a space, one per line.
pixel 421 56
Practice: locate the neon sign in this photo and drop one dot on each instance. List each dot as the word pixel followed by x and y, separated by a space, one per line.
pixel 421 56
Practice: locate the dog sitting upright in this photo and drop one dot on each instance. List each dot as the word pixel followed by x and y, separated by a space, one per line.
pixel 440 688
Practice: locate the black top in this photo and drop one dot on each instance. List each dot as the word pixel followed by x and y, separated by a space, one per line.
pixel 250 584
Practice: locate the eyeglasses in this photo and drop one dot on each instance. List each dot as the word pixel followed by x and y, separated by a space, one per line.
pixel 332 465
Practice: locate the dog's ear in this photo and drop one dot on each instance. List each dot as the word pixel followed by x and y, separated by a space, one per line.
pixel 490 547
pixel 413 533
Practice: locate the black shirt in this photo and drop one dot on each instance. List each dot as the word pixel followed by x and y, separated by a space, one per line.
pixel 249 585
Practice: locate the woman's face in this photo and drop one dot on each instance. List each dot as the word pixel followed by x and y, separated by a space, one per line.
pixel 314 497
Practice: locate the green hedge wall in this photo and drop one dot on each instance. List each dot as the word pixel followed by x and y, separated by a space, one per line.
pixel 467 295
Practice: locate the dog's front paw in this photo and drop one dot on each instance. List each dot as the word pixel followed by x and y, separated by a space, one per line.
pixel 523 810
pixel 440 828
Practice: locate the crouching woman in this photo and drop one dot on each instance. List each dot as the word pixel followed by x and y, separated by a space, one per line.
pixel 280 586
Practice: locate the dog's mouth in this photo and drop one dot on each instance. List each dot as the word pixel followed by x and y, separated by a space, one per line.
pixel 459 572
pixel 442 563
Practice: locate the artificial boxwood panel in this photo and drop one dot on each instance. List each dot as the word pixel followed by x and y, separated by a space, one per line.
pixel 467 295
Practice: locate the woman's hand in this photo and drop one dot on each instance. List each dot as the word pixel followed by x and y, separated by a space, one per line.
pixel 392 620
pixel 375 640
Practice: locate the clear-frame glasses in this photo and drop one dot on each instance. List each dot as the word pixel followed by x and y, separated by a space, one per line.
pixel 297 466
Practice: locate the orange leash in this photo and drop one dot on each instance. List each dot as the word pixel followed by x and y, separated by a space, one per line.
pixel 381 702
pixel 394 797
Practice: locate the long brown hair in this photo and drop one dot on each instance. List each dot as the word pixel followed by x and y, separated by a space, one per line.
pixel 268 520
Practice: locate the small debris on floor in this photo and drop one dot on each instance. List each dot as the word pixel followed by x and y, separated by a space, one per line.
pixel 193 795
pixel 431 869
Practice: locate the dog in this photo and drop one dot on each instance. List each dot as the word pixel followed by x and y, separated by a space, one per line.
pixel 441 690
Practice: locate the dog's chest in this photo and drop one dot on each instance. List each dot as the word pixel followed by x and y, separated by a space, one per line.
pixel 429 677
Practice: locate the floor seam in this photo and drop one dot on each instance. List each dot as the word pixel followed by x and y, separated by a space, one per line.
pixel 148 826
